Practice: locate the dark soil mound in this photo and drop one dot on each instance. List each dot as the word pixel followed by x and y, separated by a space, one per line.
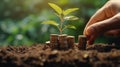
pixel 100 55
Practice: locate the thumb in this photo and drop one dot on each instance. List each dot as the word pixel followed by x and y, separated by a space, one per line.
pixel 98 28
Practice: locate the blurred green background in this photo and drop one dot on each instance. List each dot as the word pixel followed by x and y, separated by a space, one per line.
pixel 20 20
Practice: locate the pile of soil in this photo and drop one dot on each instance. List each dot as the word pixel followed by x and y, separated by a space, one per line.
pixel 40 55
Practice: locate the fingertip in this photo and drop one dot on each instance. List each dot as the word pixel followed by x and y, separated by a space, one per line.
pixel 91 40
pixel 89 43
pixel 89 33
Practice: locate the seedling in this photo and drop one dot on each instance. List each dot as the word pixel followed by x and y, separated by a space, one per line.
pixel 63 16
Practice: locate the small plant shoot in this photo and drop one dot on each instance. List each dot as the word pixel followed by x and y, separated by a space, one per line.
pixel 63 16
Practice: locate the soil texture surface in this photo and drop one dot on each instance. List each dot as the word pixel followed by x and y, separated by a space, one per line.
pixel 40 55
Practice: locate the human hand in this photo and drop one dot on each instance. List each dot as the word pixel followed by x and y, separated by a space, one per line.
pixel 105 21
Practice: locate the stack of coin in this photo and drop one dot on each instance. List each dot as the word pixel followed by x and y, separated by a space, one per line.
pixel 54 40
pixel 63 41
pixel 70 41
pixel 82 41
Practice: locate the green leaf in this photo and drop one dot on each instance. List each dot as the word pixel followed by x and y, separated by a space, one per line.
pixel 56 8
pixel 68 11
pixel 50 23
pixel 70 26
pixel 71 18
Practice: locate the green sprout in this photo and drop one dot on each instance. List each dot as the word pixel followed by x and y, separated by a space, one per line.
pixel 63 16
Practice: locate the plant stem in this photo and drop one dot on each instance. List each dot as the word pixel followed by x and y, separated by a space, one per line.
pixel 61 24
pixel 60 28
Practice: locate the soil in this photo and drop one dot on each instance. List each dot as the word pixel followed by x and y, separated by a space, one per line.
pixel 40 55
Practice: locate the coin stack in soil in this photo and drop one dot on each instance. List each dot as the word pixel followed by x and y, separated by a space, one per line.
pixel 54 41
pixel 64 42
pixel 70 41
pixel 82 41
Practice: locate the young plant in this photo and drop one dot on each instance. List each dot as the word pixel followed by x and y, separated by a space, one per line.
pixel 63 16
